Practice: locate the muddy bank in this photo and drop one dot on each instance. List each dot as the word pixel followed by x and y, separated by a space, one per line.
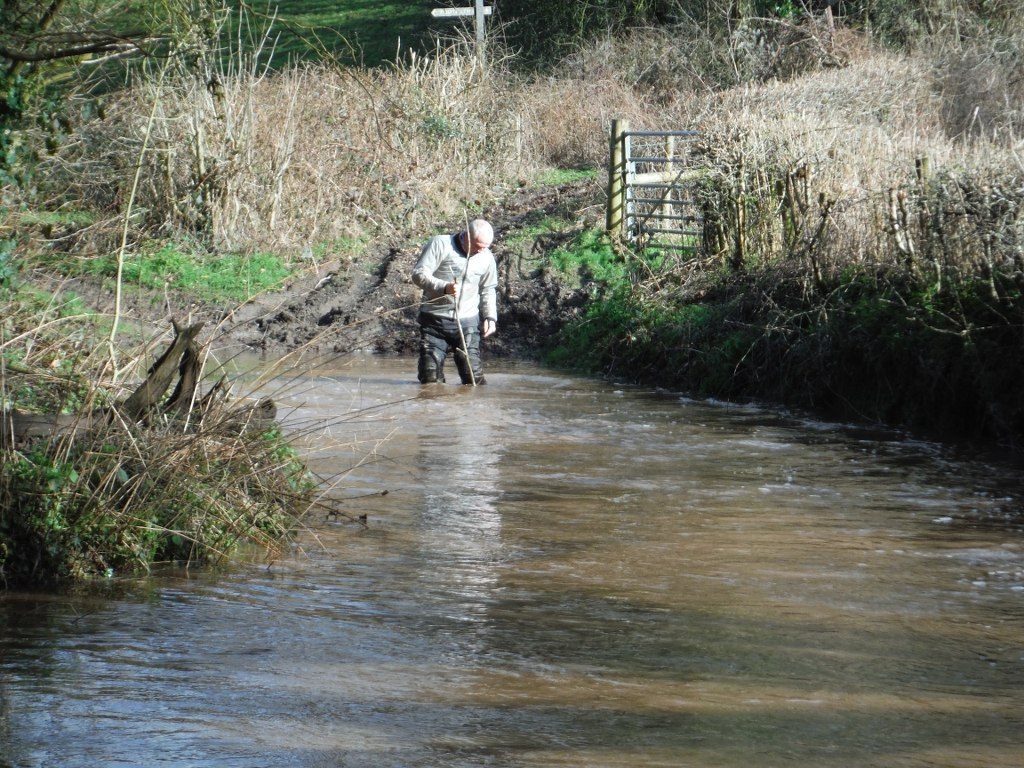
pixel 368 303
pixel 371 304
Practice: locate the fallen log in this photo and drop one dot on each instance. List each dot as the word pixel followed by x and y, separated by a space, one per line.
pixel 19 429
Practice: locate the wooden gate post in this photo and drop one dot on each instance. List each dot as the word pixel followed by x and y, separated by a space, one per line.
pixel 616 180
pixel 667 205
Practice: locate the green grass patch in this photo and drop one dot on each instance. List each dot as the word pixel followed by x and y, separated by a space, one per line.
pixel 342 247
pixel 590 258
pixel 625 332
pixel 74 219
pixel 557 176
pixel 537 226
pixel 368 33
pixel 353 32
pixel 228 277
pixel 46 306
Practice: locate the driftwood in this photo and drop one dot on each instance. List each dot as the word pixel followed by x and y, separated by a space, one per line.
pixel 181 358
pixel 181 355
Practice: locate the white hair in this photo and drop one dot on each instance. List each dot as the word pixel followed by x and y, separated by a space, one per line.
pixel 481 229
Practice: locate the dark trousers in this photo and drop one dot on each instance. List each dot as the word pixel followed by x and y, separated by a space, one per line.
pixel 439 336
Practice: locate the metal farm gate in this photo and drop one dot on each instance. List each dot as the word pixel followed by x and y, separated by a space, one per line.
pixel 650 188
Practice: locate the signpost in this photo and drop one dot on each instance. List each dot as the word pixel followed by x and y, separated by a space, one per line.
pixel 479 11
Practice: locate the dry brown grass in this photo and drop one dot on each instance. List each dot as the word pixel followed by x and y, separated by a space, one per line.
pixel 316 154
pixel 310 155
pixel 982 89
pixel 313 155
pixel 829 169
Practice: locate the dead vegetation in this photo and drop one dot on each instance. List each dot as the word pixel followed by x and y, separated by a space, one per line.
pixel 317 157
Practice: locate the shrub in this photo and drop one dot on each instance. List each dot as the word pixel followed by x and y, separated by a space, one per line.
pixel 97 492
pixel 109 500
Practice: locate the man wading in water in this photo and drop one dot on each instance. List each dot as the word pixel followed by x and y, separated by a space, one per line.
pixel 458 276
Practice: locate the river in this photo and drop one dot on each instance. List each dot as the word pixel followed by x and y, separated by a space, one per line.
pixel 556 571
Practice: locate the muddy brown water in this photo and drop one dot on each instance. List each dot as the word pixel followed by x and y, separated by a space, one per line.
pixel 561 573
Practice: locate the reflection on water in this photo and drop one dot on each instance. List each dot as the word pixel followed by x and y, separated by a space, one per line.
pixel 561 573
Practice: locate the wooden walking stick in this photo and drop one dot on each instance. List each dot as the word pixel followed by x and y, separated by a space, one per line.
pixel 458 299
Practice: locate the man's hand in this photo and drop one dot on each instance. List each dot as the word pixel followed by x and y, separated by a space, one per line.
pixel 452 289
pixel 489 327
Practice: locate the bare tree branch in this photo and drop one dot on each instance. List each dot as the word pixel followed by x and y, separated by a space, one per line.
pixel 103 45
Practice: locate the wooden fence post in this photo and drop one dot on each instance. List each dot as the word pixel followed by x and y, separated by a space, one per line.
pixel 616 182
